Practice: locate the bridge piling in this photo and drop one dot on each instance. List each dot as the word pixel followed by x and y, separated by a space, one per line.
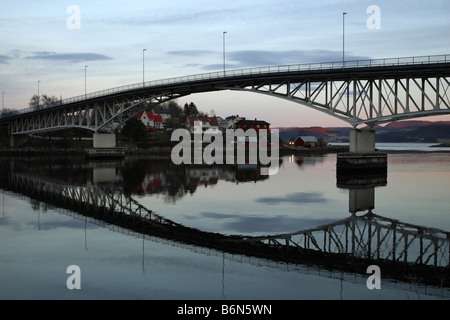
pixel 105 146
pixel 362 156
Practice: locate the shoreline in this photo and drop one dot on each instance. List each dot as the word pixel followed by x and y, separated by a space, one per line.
pixel 166 152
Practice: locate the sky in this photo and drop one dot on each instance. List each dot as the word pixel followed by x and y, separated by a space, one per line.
pixel 45 45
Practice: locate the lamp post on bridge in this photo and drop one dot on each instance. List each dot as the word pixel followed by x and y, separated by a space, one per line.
pixel 224 33
pixel 143 67
pixel 3 101
pixel 85 92
pixel 343 38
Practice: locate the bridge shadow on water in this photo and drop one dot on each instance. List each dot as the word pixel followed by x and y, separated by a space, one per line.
pixel 404 252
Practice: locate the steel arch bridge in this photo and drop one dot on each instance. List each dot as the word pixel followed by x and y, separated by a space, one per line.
pixel 359 92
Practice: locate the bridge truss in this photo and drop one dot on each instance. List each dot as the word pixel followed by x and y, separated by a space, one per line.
pixel 359 92
pixel 362 99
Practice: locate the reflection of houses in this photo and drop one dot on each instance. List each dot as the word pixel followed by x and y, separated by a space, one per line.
pixel 167 181
pixel 196 176
pixel 193 124
pixel 152 183
pixel 247 173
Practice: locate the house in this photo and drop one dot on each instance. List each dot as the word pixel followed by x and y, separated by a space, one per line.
pixel 165 114
pixel 151 121
pixel 206 123
pixel 230 122
pixel 308 142
pixel 257 125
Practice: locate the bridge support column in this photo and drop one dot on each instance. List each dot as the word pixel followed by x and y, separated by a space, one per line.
pixel 362 157
pixel 17 141
pixel 362 141
pixel 104 140
pixel 105 146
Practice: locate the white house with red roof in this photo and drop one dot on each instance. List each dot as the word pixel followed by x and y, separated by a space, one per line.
pixel 151 121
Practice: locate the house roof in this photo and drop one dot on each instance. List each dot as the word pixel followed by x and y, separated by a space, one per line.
pixel 253 122
pixel 149 115
pixel 307 138
pixel 163 111
pixel 212 120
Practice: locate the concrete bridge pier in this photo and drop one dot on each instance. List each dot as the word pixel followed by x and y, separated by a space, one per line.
pixel 16 141
pixel 104 146
pixel 104 140
pixel 362 156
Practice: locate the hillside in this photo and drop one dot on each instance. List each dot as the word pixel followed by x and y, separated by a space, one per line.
pixel 405 131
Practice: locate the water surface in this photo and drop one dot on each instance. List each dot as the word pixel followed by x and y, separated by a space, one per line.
pixel 40 240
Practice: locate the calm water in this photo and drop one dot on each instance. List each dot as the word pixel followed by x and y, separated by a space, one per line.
pixel 39 241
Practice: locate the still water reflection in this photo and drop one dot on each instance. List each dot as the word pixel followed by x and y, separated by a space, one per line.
pixel 147 229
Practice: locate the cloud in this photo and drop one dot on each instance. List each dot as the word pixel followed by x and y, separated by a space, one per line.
pixel 299 197
pixel 183 16
pixel 191 53
pixel 70 57
pixel 275 224
pixel 258 58
pixel 4 59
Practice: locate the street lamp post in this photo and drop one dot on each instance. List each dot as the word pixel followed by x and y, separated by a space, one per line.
pixel 343 38
pixel 3 101
pixel 143 67
pixel 224 33
pixel 38 95
pixel 85 92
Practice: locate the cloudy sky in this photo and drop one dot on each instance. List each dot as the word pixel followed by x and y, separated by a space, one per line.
pixel 47 44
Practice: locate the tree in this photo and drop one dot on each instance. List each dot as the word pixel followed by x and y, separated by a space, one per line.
pixel 190 110
pixel 46 99
pixel 175 109
pixel 36 100
pixel 134 129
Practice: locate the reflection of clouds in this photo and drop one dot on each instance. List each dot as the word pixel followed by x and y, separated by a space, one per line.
pixel 280 223
pixel 298 197
pixel 54 224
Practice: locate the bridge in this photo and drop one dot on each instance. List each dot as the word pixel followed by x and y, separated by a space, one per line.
pixel 362 92
pixel 348 245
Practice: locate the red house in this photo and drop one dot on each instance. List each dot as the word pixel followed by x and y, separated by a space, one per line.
pixel 245 124
pixel 308 141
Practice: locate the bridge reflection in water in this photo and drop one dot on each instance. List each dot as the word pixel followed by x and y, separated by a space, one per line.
pixel 403 251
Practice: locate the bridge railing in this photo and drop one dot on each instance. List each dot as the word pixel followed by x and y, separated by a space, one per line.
pixel 240 72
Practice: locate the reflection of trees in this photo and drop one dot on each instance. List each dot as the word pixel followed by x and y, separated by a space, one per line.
pixel 172 182
pixel 133 173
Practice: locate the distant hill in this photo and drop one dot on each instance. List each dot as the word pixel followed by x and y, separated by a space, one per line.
pixel 404 131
